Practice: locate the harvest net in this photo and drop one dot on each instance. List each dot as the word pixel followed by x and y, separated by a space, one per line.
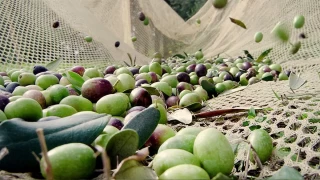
pixel 28 38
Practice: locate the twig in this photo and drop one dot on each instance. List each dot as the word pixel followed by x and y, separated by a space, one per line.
pixel 297 160
pixel 256 158
pixel 35 156
pixel 45 153
pixel 105 162
pixel 217 112
pixel 4 151
pixel 247 162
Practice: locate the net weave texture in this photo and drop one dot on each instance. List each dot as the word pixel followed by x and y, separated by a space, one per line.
pixel 27 38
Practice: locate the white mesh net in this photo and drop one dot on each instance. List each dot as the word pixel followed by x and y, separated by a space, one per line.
pixel 28 38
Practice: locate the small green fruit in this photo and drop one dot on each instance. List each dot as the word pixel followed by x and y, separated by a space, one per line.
pixel 113 104
pixel 169 158
pixel 184 142
pixel 283 76
pixel 57 93
pixel 199 55
pixel 163 112
pixel 46 80
pixel 78 102
pixel 219 3
pixel 216 158
pixel 185 171
pixel 146 21
pixel 281 32
pixel 134 38
pixel 25 79
pixel 88 38
pixel 298 21
pixel 70 161
pixel 262 144
pixel 295 47
pixel 258 37
pixel 60 110
pixel 155 67
pixel 220 87
pixel 190 131
pixel 25 108
pixel 2 116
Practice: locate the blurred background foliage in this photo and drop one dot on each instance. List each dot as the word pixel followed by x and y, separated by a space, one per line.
pixel 186 8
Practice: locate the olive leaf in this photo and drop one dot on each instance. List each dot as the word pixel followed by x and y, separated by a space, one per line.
pixel 238 22
pixel 151 90
pixel 182 115
pixel 144 123
pixel 20 138
pixel 75 79
pixel 286 173
pixel 179 56
pixel 251 113
pixel 209 87
pixel 275 94
pixel 246 52
pixel 53 65
pixel 263 55
pixel 295 82
pixel 122 145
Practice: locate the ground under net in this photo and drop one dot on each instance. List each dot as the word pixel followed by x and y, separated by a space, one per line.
pixel 28 39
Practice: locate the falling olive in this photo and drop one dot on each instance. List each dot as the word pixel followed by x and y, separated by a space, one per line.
pixel 302 36
pixel 295 47
pixel 142 17
pixel 56 24
pixel 146 21
pixel 117 44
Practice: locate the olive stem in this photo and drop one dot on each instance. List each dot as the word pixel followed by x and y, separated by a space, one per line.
pixel 105 162
pixel 247 162
pixel 4 151
pixel 44 150
pixel 255 155
pixel 297 160
pixel 35 156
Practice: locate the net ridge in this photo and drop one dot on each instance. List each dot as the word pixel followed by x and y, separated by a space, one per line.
pixel 28 38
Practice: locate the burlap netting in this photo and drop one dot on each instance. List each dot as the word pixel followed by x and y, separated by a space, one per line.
pixel 28 38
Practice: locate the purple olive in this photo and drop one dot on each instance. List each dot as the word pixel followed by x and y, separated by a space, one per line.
pixel 140 97
pixel 154 77
pixel 135 108
pixel 141 81
pixel 59 76
pixel 115 123
pixel 4 100
pixel 191 68
pixel 109 70
pixel 184 86
pixel 246 65
pixel 237 76
pixel 251 73
pixel 227 77
pixel 183 77
pixel 201 70
pixel 266 68
pixel 134 70
pixel 288 72
pixel 172 101
pixel 3 74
